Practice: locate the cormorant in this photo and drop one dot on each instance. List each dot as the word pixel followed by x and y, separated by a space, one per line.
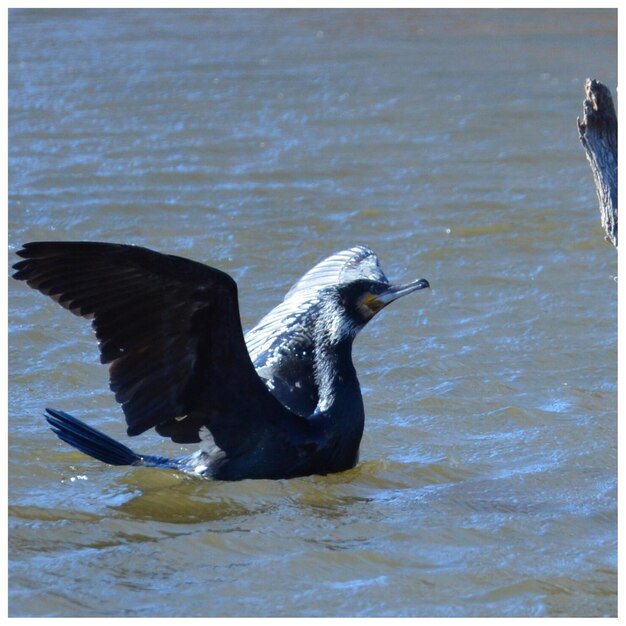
pixel 281 402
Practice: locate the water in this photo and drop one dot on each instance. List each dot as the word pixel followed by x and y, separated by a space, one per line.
pixel 260 142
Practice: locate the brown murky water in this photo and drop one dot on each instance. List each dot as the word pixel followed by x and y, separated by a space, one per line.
pixel 260 142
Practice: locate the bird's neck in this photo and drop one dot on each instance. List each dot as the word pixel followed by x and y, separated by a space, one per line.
pixel 340 407
pixel 337 382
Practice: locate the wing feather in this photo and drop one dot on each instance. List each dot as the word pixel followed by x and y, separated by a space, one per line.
pixel 170 329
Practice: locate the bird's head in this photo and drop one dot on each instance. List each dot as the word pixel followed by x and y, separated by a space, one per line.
pixel 355 303
pixel 362 299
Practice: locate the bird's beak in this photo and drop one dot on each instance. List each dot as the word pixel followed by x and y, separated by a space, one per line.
pixel 377 302
pixel 393 293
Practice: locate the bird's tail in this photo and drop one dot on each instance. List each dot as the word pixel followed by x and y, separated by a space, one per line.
pixel 97 444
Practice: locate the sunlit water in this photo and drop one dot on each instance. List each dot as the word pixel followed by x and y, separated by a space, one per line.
pixel 260 142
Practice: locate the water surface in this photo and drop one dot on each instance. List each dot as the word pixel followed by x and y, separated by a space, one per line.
pixel 260 142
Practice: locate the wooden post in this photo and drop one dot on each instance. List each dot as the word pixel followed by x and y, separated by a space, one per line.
pixel 598 134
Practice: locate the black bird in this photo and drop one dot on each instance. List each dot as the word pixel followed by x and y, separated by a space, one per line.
pixel 170 329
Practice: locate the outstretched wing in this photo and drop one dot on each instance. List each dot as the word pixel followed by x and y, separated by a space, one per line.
pixel 170 330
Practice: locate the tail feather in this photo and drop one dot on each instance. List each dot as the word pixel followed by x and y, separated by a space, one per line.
pixel 93 442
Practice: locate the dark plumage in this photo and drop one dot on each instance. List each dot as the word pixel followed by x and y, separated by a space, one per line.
pixel 286 404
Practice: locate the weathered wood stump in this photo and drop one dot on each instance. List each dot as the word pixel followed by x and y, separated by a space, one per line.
pixel 598 134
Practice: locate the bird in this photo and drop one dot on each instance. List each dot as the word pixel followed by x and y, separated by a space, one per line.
pixel 282 401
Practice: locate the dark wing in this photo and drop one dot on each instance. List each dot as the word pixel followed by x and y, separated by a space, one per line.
pixel 170 330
